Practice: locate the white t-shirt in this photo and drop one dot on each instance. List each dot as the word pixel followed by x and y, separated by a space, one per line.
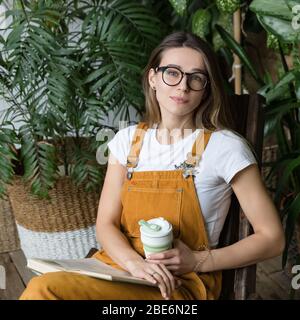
pixel 225 155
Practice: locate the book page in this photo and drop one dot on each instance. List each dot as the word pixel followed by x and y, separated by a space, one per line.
pixel 91 265
pixel 87 266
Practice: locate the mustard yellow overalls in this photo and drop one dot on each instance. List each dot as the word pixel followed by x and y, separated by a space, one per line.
pixel 145 195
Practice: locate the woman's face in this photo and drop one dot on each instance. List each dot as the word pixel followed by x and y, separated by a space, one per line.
pixel 178 100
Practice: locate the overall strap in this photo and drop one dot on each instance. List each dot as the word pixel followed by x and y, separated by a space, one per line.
pixel 136 145
pixel 194 157
pixel 199 146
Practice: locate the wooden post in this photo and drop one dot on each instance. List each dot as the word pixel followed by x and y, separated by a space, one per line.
pixel 237 67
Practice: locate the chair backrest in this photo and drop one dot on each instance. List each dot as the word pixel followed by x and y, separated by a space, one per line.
pixel 247 111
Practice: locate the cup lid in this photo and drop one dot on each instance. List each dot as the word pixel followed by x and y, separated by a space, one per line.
pixel 156 227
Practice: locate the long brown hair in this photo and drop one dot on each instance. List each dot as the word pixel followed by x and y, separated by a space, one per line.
pixel 213 111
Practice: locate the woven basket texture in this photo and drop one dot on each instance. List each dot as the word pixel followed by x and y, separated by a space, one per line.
pixel 69 207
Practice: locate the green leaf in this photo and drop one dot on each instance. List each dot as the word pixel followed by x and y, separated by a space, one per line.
pixel 238 50
pixel 201 22
pixel 104 81
pixel 288 171
pixel 286 79
pixel 179 6
pixel 14 36
pixel 280 108
pixel 97 73
pixel 281 86
pixel 281 28
pixel 273 8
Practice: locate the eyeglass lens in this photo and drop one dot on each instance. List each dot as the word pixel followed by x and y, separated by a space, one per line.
pixel 172 77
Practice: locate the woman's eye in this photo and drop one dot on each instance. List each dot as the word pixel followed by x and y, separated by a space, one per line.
pixel 173 73
pixel 197 78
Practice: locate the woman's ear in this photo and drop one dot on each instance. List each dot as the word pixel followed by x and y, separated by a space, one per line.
pixel 152 78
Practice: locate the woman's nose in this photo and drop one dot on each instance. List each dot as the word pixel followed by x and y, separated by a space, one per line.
pixel 183 83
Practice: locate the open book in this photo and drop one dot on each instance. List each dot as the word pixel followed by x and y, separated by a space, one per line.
pixel 88 266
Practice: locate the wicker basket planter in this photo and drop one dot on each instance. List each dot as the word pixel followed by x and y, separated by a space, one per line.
pixel 60 228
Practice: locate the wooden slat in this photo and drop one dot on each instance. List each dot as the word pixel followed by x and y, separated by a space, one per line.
pixel 271 265
pixel 19 261
pixel 248 120
pixel 14 283
pixel 245 278
pixel 268 288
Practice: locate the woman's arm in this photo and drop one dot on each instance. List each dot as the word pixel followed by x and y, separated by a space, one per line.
pixel 266 242
pixel 109 216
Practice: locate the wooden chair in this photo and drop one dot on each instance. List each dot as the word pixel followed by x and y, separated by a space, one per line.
pixel 247 110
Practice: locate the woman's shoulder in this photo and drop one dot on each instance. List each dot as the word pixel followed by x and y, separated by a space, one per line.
pixel 225 140
pixel 228 136
pixel 126 132
pixel 119 144
pixel 228 152
pixel 127 129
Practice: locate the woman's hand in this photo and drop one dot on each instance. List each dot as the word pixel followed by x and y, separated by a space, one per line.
pixel 155 273
pixel 179 260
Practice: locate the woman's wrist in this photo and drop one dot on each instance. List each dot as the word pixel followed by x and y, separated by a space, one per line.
pixel 201 258
pixel 131 263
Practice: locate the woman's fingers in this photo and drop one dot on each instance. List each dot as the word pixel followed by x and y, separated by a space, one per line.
pixel 150 278
pixel 157 274
pixel 164 255
pixel 170 277
pixel 163 277
pixel 166 262
pixel 174 267
pixel 162 284
pixel 160 274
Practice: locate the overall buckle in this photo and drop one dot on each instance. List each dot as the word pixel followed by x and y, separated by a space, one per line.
pixel 129 172
pixel 188 172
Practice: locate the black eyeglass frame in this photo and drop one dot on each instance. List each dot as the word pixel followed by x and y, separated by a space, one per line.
pixel 188 74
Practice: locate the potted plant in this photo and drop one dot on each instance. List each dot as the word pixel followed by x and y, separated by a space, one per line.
pixel 65 66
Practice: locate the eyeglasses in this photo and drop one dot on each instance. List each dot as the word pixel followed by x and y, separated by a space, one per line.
pixel 172 76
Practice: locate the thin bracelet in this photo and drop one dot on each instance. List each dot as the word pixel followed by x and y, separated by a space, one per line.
pixel 204 258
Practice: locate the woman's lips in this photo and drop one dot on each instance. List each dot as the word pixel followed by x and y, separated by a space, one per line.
pixel 179 100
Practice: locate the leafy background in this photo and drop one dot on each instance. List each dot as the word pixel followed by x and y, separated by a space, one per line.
pixel 66 66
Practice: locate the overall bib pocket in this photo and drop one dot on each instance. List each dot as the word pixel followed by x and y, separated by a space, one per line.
pixel 148 203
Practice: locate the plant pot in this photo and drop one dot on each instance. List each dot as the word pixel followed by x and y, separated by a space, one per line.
pixel 62 227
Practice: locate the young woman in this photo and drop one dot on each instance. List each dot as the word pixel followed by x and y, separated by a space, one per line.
pixel 182 163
